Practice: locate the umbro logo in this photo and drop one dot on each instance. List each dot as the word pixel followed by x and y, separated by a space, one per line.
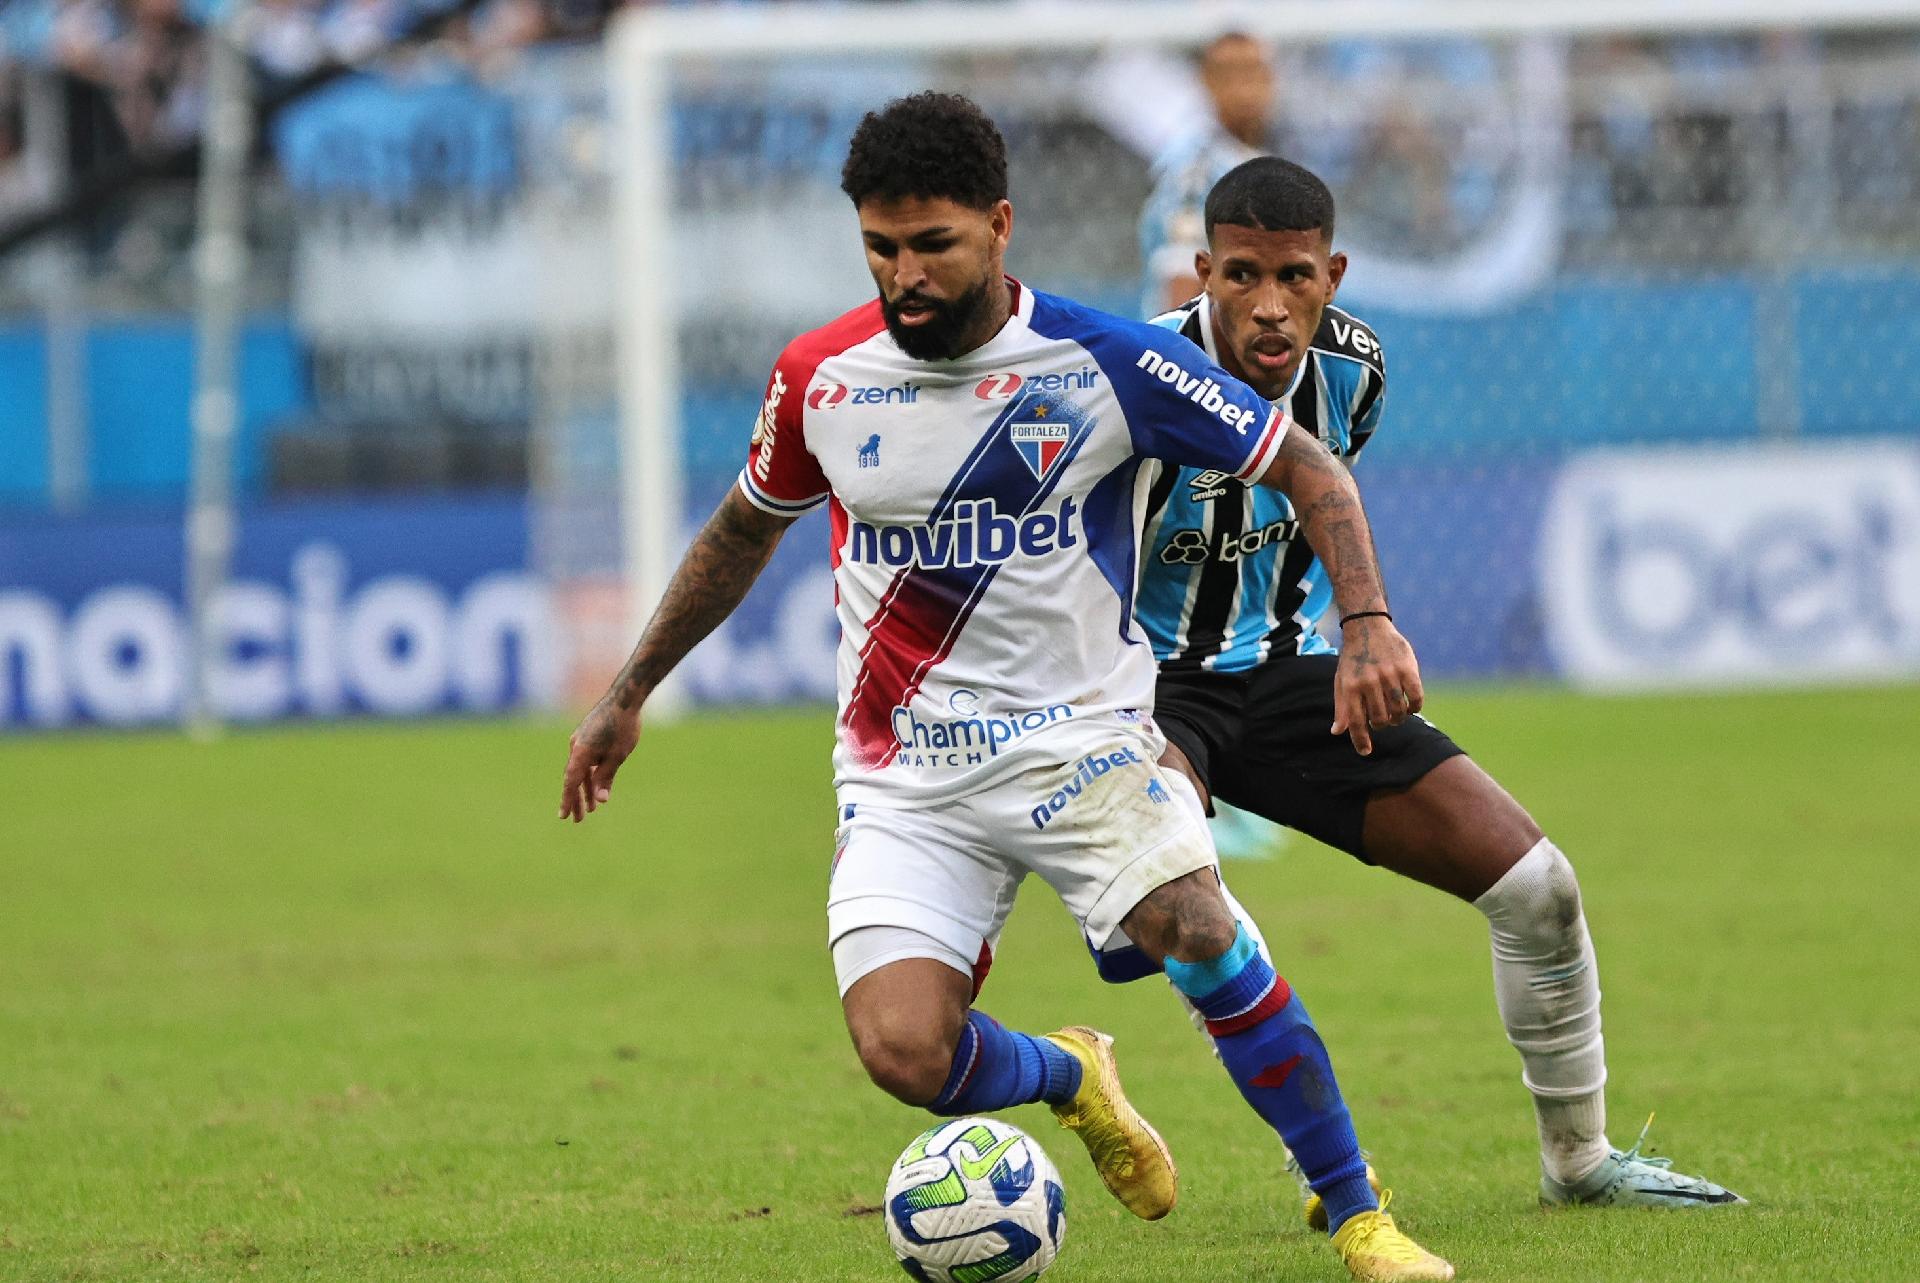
pixel 1212 485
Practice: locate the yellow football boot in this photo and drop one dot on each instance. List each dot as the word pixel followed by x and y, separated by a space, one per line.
pixel 1316 1211
pixel 1126 1151
pixel 1373 1248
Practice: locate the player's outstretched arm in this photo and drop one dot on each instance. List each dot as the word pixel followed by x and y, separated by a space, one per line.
pixel 1378 682
pixel 725 558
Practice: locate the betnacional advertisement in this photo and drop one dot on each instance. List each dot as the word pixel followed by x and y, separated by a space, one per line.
pixel 1789 565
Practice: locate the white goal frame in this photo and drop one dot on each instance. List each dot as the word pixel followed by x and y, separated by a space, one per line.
pixel 644 44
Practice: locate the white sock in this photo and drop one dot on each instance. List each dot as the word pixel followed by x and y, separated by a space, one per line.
pixel 1548 987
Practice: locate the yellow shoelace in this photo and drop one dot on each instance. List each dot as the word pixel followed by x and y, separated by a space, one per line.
pixel 1382 1238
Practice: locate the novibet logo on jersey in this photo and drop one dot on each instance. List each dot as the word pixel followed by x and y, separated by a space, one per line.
pixel 1200 390
pixel 976 533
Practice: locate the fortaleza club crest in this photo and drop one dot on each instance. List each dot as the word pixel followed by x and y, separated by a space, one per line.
pixel 1039 443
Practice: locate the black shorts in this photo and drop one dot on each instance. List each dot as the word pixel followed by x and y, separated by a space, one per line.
pixel 1259 740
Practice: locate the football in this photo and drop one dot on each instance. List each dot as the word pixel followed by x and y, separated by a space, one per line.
pixel 975 1200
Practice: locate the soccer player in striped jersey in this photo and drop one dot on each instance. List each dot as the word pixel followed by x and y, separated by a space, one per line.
pixel 1232 600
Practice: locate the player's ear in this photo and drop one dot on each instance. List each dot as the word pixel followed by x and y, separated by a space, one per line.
pixel 1336 269
pixel 1202 266
pixel 1000 223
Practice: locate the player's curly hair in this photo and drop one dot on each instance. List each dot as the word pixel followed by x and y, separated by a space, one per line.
pixel 1273 195
pixel 927 145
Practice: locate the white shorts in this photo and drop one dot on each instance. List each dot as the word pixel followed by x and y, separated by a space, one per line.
pixel 1094 816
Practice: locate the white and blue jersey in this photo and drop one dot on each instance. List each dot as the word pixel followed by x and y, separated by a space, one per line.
pixel 986 517
pixel 1226 581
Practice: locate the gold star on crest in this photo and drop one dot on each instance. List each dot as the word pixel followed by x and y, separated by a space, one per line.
pixel 1039 411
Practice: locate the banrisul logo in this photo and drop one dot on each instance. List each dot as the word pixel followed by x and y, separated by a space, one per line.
pixel 1197 388
pixel 975 533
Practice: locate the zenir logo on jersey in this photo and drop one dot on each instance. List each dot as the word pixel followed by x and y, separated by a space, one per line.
pixel 829 395
pixel 998 387
pixel 1212 485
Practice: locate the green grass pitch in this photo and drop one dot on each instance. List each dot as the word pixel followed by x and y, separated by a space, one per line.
pixel 350 1003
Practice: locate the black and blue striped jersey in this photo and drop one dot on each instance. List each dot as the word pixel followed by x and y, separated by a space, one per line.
pixel 1225 579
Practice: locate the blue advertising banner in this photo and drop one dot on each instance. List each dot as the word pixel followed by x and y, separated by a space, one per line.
pixel 1642 570
pixel 395 607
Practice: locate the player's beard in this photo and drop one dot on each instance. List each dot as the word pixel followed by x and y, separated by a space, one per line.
pixel 938 339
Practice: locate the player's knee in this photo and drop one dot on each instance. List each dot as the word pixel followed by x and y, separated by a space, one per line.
pixel 1539 897
pixel 1205 938
pixel 909 1063
pixel 1203 930
pixel 1558 904
pixel 1187 919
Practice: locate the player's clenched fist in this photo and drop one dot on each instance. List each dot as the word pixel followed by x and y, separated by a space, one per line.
pixel 600 743
pixel 1378 681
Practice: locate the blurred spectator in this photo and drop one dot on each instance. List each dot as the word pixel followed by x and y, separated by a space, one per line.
pixel 144 57
pixel 354 30
pixel 1411 134
pixel 285 38
pixel 1400 187
pixel 1238 76
pixel 15 183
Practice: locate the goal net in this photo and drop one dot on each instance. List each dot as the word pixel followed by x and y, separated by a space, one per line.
pixel 1679 231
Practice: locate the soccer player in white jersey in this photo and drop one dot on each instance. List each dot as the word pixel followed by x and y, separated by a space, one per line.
pixel 978 447
pixel 1232 602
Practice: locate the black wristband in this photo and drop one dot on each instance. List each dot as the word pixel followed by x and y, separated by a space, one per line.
pixel 1365 614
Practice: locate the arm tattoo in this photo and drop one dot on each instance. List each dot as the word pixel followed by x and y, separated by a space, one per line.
pixel 725 558
pixel 1327 502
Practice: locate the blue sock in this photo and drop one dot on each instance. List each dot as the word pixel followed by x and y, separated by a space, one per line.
pixel 1269 1045
pixel 994 1068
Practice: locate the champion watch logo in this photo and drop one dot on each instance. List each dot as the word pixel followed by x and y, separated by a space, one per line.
pixel 997 387
pixel 1039 443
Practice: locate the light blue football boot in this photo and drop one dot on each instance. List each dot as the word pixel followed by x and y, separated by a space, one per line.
pixel 1241 835
pixel 1630 1179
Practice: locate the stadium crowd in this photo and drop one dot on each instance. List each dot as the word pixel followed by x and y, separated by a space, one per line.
pixel 1677 136
pixel 129 71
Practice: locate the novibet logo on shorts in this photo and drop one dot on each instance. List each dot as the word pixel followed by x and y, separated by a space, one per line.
pixel 1092 767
